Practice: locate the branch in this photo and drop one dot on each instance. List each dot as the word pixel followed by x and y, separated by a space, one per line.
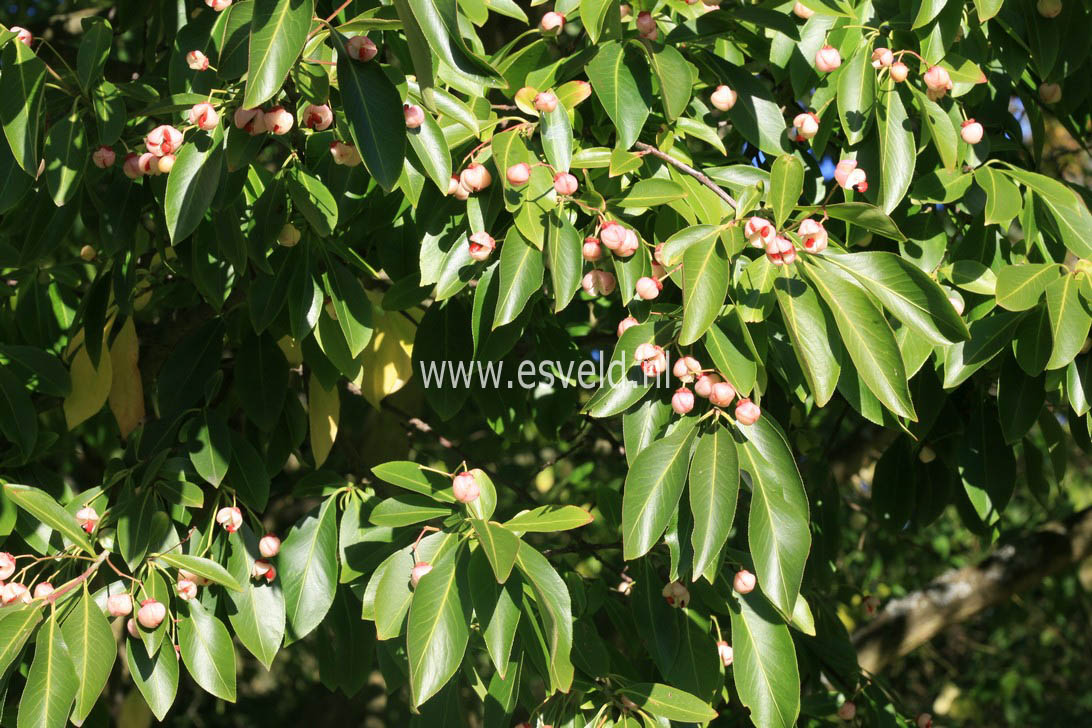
pixel 911 621
pixel 87 574
pixel 683 167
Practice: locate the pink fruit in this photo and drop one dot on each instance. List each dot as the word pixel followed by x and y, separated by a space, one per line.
pixel 88 518
pixel 269 546
pixel 676 594
pixel 475 177
pixel 362 48
pixel 552 23
pixel 131 168
pixel 464 487
pixel 744 582
pixel 806 126
pixel 218 5
pixel 278 120
pixel 103 157
pixel 518 174
pixel 937 81
pixel 119 605
pixel 723 98
pixel 747 412
pixel 827 59
pixel 686 368
pixel 43 590
pixel 847 710
pixel 682 401
pixel 481 246
pixel 151 613
pixel 165 164
pixel 625 324
pixel 971 131
pixel 419 570
pixel 545 102
pixel 591 250
pixel 22 35
pixel 722 394
pixel 565 184
pixel 882 57
pixel 230 517
pixel 186 589
pixel 197 61
pixel 415 115
pixel 345 154
pixel 251 121
pixel 318 116
pixel 759 231
pixel 14 592
pixel 164 139
pixel 1050 93
pixel 813 235
pixel 204 116
pixel 646 24
pixel 7 563
pixel 613 235
pixel 899 71
pixel 704 386
pixel 802 11
pixel 263 570
pixel 724 650
pixel 648 288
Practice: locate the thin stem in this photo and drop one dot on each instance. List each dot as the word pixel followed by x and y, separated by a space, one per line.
pixel 683 167
pixel 338 11
pixel 87 574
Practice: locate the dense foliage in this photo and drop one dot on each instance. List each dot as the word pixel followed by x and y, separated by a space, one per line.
pixel 243 241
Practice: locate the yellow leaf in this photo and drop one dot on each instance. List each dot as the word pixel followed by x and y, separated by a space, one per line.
pixel 386 362
pixel 324 410
pixel 291 350
pixel 126 390
pixel 90 386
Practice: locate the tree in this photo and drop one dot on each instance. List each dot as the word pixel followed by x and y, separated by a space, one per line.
pixel 409 286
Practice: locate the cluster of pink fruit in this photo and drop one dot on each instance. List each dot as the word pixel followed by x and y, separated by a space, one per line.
pixel 465 488
pixel 707 383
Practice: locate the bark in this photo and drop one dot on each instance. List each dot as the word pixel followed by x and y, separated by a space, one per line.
pixel 1014 566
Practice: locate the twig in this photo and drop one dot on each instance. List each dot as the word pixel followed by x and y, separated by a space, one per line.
pixel 683 167
pixel 58 593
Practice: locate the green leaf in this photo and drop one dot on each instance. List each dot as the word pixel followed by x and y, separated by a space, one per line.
pixel 733 353
pixel 278 32
pixel 431 149
pixel 1068 210
pixel 986 462
pixel 207 651
pixel 52 683
pixel 1019 287
pixel 262 391
pixel 927 10
pixel 393 594
pixel 555 608
pixel 714 488
pixel 652 490
pixel 22 85
pixel 156 677
pixel 664 701
pixel 765 671
pixel 676 77
pixel 987 9
pixel 311 197
pixel 521 271
pixel 16 626
pixel 499 544
pixel 92 649
pixel 1069 320
pixel 247 474
pixel 373 107
pixel 557 138
pixel 811 334
pixel 861 214
pixel 94 49
pixel 786 186
pixel 354 310
pixel 867 337
pixel 679 242
pixel 705 275
pixel 39 504
pixel 18 418
pixel 496 609
pixel 205 568
pixel 777 526
pixel 412 476
pixel 909 293
pixel 308 569
pixel 439 24
pixel 66 155
pixel 897 149
pixel 856 95
pixel 210 445
pixel 406 509
pixel 595 14
pixel 940 128
pixel 1019 400
pixel 564 257
pixel 989 336
pixel 757 115
pixel 650 192
pixel 438 628
pixel 192 183
pixel 621 85
pixel 549 519
pixel 1003 200
pixel 258 616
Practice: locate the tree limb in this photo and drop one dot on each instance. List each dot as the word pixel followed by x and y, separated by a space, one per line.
pixel 909 622
pixel 684 167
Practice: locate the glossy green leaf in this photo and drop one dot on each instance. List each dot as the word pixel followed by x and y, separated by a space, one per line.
pixel 564 259
pixel 393 594
pixel 278 32
pixel 22 84
pixel 66 152
pixel 714 488
pixel 897 148
pixel 257 614
pixel 861 214
pixel 16 627
pixel 94 49
pixel 373 107
pixel 650 192
pixel 1069 211
pixel 549 519
pixel 92 649
pixel 439 24
pixel 192 183
pixel 499 544
pixel 810 331
pixel 1069 320
pixel 765 671
pixel 18 418
pixel 1003 200
pixel 556 134
pixel 622 87
pixel 405 509
pixel 496 609
pixel 413 477
pixel 210 446
pixel 438 627
pixel 521 271
pixel 156 677
pixel 705 276
pixel 354 310
pixel 311 197
pixel 676 77
pixel 207 651
pixel 205 568
pixel 555 608
pixel 1020 287
pixel 652 491
pixel 856 94
pixel 52 683
pixel 786 186
pixel 428 143
pixel 308 569
pixel 668 702
pixel 41 506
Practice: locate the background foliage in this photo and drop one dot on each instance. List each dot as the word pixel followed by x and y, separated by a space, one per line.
pixel 924 381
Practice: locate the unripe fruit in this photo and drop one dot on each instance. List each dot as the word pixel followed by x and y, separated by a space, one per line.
pixel 813 235
pixel 22 35
pixel 43 590
pixel 722 394
pixel 119 605
pixel 252 121
pixel 198 580
pixel 882 57
pixel 165 164
pixel 899 71
pixel 345 154
pixel 318 116
pixel 704 386
pixel 744 582
pixel 197 61
pixel 759 231
pixel 724 650
pixel 971 131
pixel 545 102
pixel 88 253
pixel 362 48
pixel 565 184
pixel 682 401
pixel 130 627
pixel 263 570
pixel 686 368
pixel 927 454
pixel 481 246
pixel 103 157
pixel 131 168
pixel 598 283
pixel 646 25
pixel 937 82
pixel 613 235
pixel 827 59
pixel 269 546
pixel 847 711
pixel 186 589
pixel 518 174
pixel 591 250
pixel 648 288
pixel 1046 8
pixel 218 5
pixel 415 115
pixel 278 120
pixel 88 518
pixel 164 139
pixel 1050 93
pixel 806 126
pixel 723 98
pixel 625 324
pixel 230 517
pixel 552 23
pixel 288 236
pixel 7 561
pixel 747 412
pixel 676 594
pixel 419 570
pixel 204 116
pixel 475 178
pixel 802 11
pixel 151 613
pixel 464 487
pixel 14 592
pixel 629 245
pixel 925 721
